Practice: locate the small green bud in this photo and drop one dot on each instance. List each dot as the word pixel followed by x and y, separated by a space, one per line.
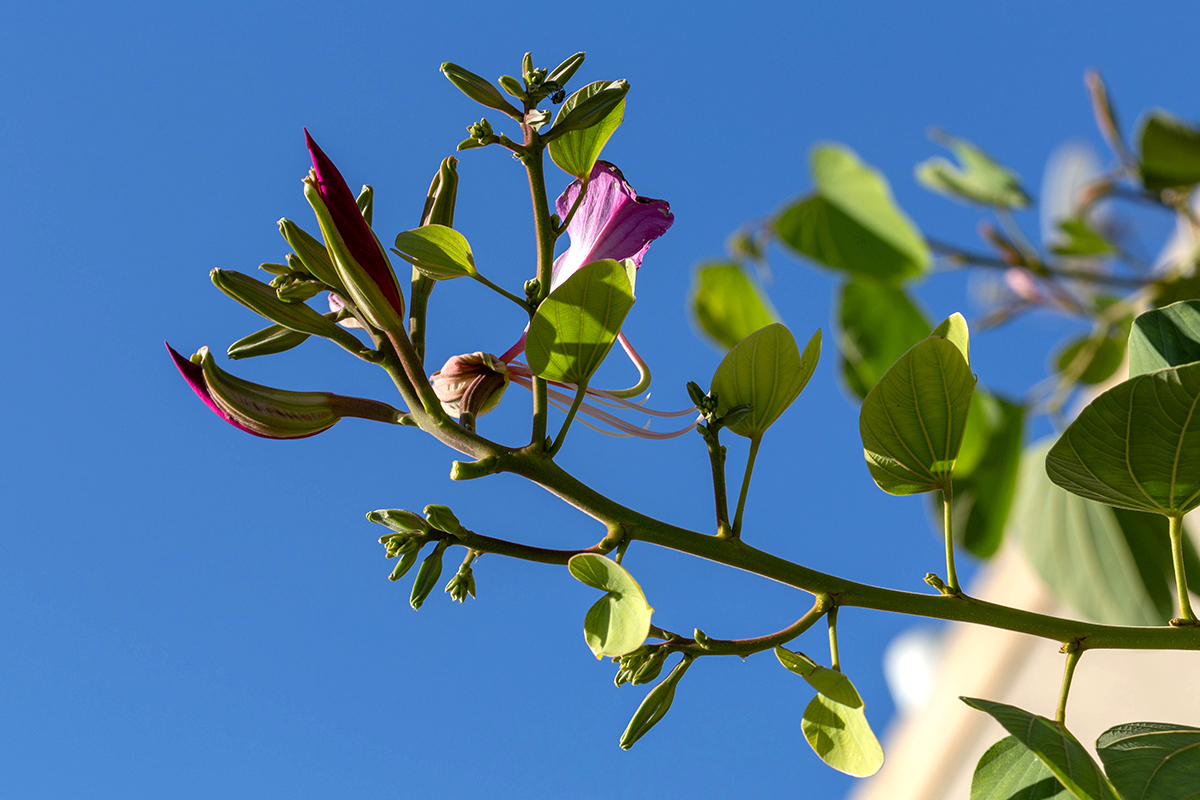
pixel 462 584
pixel 701 638
pixel 531 288
pixel 270 340
pixel 527 67
pixel 655 706
pixel 478 89
pixel 565 71
pixel 263 300
pixel 699 398
pixel 405 563
pixel 427 575
pixel 442 518
pixel 513 86
pixel 293 289
pixel 442 195
pixel 481 130
pixel 399 520
pixel 650 668
pixel 277 269
pixel 366 201
pixel 312 253
pixel 470 143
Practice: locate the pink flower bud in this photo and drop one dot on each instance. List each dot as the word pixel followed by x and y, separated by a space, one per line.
pixel 471 383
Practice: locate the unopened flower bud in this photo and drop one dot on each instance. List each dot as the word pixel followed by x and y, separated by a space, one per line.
pixel 442 518
pixel 399 520
pixel 513 86
pixel 427 575
pixel 479 89
pixel 471 383
pixel 312 253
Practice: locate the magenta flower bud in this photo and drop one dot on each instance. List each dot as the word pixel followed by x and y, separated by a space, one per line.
pixel 471 383
pixel 361 262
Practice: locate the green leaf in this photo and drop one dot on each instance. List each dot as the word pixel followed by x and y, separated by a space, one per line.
pixel 765 371
pixel 841 736
pixel 985 474
pixel 852 223
pixel 1136 446
pixel 1011 771
pixel 1054 746
pixel 1081 239
pixel 1165 337
pixel 954 329
pixel 728 304
pixel 575 327
pixel 1170 152
pixel 979 180
pixel 829 682
pixel 1185 287
pixel 879 323
pixel 438 252
pixel 576 152
pixel 619 622
pixel 1108 565
pixel 912 422
pixel 1091 358
pixel 1152 760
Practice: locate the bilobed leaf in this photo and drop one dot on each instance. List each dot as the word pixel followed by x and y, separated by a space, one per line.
pixel 829 682
pixel 852 223
pixel 765 371
pixel 841 736
pixel 438 252
pixel 985 474
pixel 1011 771
pixel 576 152
pixel 575 327
pixel 879 323
pixel 1054 746
pixel 728 304
pixel 1170 152
pixel 912 422
pixel 1152 760
pixel 619 622
pixel 1165 337
pixel 978 179
pixel 1109 565
pixel 1136 446
pixel 1080 239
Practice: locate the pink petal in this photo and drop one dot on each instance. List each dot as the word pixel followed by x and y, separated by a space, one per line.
pixel 194 375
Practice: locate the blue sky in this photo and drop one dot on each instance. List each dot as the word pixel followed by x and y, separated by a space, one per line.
pixel 190 612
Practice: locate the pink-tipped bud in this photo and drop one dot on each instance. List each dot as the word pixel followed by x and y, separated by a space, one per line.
pixel 471 383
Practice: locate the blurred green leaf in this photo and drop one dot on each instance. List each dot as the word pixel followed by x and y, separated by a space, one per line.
pixel 438 252
pixel 1152 760
pixel 1136 446
pixel 619 622
pixel 765 371
pixel 1011 771
pixel 728 304
pixel 576 152
pixel 1185 287
pixel 575 327
pixel 852 223
pixel 829 682
pixel 1091 358
pixel 1054 746
pixel 1165 337
pixel 912 422
pixel 1109 565
pixel 879 323
pixel 1170 152
pixel 1081 240
pixel 985 474
pixel 841 736
pixel 978 179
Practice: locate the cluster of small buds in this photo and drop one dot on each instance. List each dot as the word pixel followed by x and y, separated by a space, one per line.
pixel 706 404
pixel 462 584
pixel 641 666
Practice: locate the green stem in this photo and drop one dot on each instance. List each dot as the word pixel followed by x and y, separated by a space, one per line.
pixel 1073 656
pixel 546 236
pixel 716 457
pixel 948 524
pixel 748 647
pixel 1185 602
pixel 562 433
pixel 741 506
pixel 834 661
pixel 518 300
